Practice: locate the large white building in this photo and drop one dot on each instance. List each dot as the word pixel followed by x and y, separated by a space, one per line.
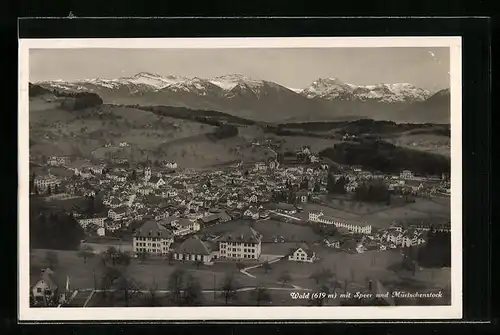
pixel 406 174
pixel 95 221
pixel 152 238
pixel 359 228
pixel 245 243
pixel 44 182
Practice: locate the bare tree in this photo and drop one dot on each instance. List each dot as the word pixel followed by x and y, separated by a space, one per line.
pixel 261 295
pixel 266 266
pixel 193 294
pixel 175 286
pixel 86 252
pixel 52 259
pixel 229 287
pixel 284 278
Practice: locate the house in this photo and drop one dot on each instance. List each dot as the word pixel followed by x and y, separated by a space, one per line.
pixel 194 249
pixel 114 203
pixel 152 237
pixel 46 291
pixel 185 226
pixel 117 213
pixel 101 231
pixel 156 182
pixel 406 175
pixel 351 186
pixel 260 166
pixel 302 254
pixel 210 220
pixel 94 221
pixel 171 165
pixel 124 144
pixel 253 198
pixel 57 161
pixel 332 243
pixel 302 196
pixel 251 213
pixel 244 243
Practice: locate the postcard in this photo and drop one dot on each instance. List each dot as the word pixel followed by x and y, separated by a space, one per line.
pixel 240 179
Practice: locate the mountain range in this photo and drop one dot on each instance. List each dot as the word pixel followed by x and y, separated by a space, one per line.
pixel 326 99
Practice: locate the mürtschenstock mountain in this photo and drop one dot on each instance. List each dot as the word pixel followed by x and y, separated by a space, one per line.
pixel 326 99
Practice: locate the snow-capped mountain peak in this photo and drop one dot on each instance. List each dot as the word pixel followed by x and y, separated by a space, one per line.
pixel 229 81
pixel 335 89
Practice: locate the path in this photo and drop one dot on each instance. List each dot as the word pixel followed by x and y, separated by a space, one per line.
pixel 294 287
pixel 286 215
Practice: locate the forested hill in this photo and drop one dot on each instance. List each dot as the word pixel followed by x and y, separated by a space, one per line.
pixel 387 158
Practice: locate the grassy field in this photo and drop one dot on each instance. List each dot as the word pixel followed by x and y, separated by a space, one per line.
pixel 145 274
pixel 356 269
pixel 438 144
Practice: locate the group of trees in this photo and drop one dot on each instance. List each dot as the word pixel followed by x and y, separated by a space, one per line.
pixel 436 252
pixel 336 186
pixel 374 191
pixel 224 131
pixel 55 230
pixel 184 289
pixel 80 100
pixel 386 157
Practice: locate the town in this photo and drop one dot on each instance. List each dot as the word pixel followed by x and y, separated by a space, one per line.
pixel 242 215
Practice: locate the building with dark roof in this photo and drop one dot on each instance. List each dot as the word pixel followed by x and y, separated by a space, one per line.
pixel 194 249
pixel 152 237
pixel 243 243
pixel 302 253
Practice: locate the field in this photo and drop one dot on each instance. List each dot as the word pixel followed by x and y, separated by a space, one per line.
pixel 434 143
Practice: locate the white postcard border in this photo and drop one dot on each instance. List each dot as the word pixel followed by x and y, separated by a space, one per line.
pixel 454 311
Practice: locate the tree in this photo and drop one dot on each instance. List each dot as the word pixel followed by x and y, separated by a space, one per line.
pixel 284 278
pixel 261 295
pixel 142 256
pixel 266 266
pixel 229 287
pixel 321 297
pixel 198 263
pixel 170 257
pixel 193 295
pixel 86 252
pixel 52 259
pixel 175 286
pixel 322 275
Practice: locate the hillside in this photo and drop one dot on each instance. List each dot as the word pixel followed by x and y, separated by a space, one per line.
pixel 388 158
pixel 96 132
pixel 436 109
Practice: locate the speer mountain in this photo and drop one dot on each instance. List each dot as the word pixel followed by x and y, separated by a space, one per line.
pixel 326 99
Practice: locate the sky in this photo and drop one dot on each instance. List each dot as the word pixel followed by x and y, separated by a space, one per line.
pixel 427 68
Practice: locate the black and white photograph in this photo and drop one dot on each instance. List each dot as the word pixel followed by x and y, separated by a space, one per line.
pixel 237 178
